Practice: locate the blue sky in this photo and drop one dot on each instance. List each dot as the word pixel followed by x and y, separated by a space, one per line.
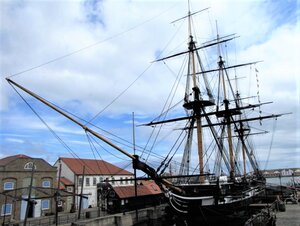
pixel 86 53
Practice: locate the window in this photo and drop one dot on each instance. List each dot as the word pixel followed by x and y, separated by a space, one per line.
pixel 8 185
pixel 69 189
pixel 29 166
pixel 113 180
pixel 87 181
pixel 101 179
pixel 126 180
pixel 6 209
pixel 79 181
pixel 45 204
pixel 46 184
pixel 121 180
pixel 94 181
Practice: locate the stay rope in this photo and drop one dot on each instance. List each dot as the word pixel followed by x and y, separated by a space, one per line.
pixel 271 143
pixel 52 131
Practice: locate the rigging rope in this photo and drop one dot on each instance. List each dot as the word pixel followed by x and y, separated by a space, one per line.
pixel 92 45
pixel 271 144
pixel 96 141
pixel 169 100
pixel 120 94
pixel 92 147
pixel 166 165
pixel 132 83
pixel 83 120
pixel 258 96
pixel 51 130
pixel 65 145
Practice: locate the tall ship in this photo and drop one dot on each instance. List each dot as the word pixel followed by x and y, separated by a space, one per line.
pixel 216 132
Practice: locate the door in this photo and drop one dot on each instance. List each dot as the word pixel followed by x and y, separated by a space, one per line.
pixel 37 208
pixel 31 209
pixel 23 208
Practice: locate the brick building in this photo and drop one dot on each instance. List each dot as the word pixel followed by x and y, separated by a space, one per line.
pixel 15 179
pixel 93 171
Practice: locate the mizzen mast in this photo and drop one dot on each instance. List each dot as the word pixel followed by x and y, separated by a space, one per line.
pixel 227 112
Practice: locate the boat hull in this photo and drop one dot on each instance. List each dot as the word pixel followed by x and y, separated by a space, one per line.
pixel 215 209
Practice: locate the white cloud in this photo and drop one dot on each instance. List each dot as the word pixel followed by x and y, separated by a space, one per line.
pixel 15 140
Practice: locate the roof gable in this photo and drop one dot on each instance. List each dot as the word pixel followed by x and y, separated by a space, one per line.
pixel 66 181
pixel 142 190
pixel 7 160
pixel 93 167
pixel 24 163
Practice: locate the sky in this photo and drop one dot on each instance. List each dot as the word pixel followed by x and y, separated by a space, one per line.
pixel 94 58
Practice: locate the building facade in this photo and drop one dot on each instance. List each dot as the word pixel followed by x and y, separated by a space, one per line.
pixel 126 198
pixel 85 174
pixel 281 172
pixel 22 177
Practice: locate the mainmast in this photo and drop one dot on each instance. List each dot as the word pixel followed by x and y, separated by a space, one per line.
pixel 196 105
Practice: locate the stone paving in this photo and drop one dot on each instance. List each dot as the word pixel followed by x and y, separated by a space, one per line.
pixel 291 217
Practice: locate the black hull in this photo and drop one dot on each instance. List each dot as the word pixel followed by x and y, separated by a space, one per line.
pixel 226 214
pixel 213 208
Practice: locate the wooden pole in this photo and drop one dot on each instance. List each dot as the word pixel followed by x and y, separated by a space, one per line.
pixel 80 199
pixel 4 214
pixel 29 195
pixel 57 194
pixel 135 182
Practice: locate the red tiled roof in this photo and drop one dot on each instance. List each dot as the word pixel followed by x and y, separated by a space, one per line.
pixel 63 182
pixel 66 181
pixel 8 159
pixel 93 167
pixel 152 187
pixel 142 190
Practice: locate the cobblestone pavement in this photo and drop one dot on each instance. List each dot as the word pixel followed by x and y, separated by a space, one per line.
pixel 291 217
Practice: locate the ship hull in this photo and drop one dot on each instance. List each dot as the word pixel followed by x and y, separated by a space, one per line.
pixel 213 209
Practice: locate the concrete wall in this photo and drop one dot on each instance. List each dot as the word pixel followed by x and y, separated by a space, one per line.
pixel 93 219
pixel 125 219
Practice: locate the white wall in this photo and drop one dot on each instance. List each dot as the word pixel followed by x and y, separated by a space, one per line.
pixel 65 171
pixel 91 190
